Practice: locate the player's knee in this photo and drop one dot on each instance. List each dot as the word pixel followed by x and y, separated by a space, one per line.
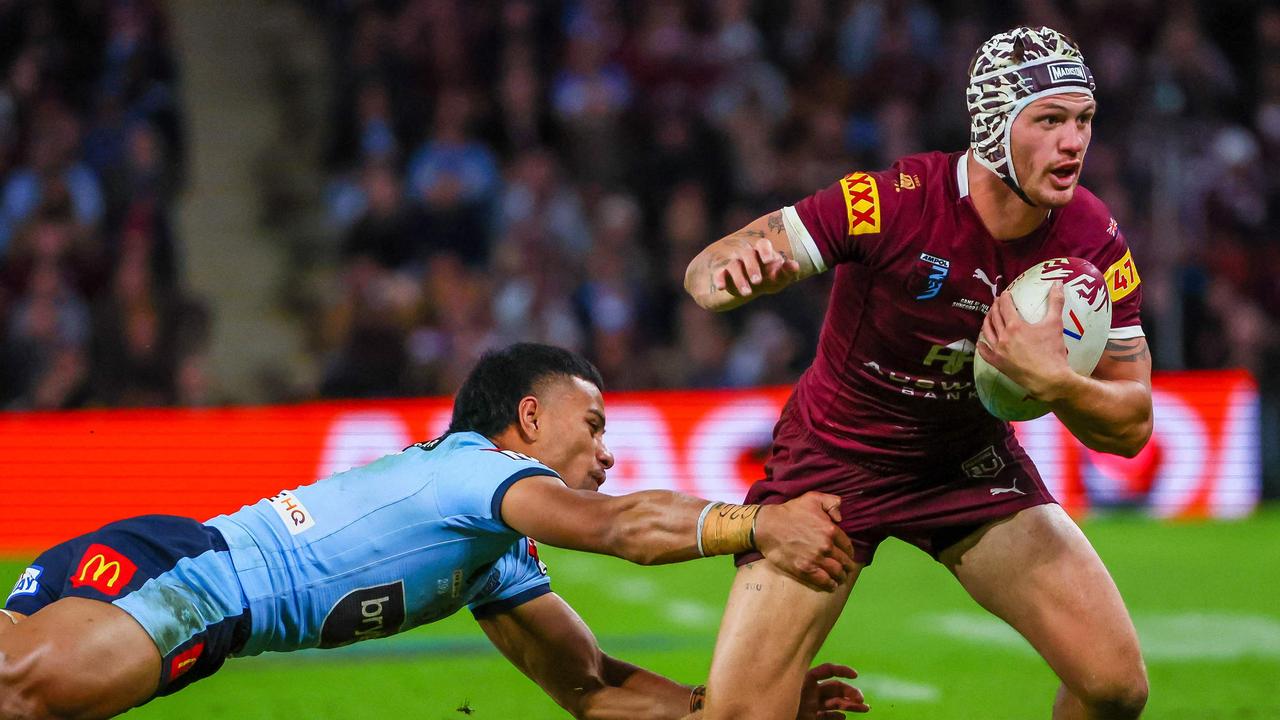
pixel 1121 697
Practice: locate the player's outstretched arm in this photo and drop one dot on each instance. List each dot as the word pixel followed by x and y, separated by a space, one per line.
pixel 658 526
pixel 551 644
pixel 1109 412
pixel 756 260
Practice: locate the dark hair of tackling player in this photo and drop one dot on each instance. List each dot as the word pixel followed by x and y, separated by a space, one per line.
pixel 488 400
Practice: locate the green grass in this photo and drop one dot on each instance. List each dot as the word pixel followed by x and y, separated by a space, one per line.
pixel 1205 597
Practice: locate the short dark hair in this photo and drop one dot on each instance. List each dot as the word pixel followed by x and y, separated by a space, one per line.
pixel 488 400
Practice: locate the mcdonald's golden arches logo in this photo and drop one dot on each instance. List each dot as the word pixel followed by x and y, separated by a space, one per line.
pixel 104 570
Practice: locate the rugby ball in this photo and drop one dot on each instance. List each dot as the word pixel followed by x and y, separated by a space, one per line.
pixel 1086 321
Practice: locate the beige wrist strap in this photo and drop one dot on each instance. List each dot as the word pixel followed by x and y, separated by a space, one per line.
pixel 726 529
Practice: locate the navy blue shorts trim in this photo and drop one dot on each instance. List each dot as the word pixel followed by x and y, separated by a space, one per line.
pixel 114 562
pixel 498 607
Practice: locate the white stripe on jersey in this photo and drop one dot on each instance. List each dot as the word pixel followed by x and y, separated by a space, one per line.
pixel 800 239
pixel 1126 333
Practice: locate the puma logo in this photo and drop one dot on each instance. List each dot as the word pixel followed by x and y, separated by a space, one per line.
pixel 981 275
pixel 1011 489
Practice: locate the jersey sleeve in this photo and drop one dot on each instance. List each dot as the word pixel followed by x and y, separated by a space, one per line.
pixel 1124 285
pixel 522 576
pixel 478 480
pixel 846 221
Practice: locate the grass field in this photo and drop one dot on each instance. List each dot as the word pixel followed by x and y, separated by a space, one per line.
pixel 1205 598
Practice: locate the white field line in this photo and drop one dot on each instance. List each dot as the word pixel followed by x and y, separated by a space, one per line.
pixel 1171 637
pixel 886 687
pixel 636 590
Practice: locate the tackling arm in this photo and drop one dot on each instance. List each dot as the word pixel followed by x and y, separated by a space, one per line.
pixel 759 259
pixel 551 645
pixel 659 526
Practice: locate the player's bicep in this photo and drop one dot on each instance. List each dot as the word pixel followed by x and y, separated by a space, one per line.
pixel 1125 359
pixel 551 645
pixel 550 512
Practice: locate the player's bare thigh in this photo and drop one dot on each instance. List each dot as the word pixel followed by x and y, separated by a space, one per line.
pixel 1037 571
pixel 76 658
pixel 771 630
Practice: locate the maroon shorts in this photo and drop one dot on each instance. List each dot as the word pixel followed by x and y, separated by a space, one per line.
pixel 930 507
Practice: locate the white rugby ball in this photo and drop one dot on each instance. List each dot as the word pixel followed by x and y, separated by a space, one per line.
pixel 1086 321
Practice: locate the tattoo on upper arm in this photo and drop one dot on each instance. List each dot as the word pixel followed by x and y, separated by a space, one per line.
pixel 1131 350
pixel 775 223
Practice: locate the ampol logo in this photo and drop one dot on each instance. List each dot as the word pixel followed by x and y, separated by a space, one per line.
pixel 932 274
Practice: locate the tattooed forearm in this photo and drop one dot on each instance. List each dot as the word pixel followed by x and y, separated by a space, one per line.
pixel 1134 350
pixel 775 223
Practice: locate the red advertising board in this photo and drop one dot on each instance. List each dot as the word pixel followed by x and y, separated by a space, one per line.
pixel 62 474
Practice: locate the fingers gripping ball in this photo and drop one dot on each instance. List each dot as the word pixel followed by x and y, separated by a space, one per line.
pixel 1086 320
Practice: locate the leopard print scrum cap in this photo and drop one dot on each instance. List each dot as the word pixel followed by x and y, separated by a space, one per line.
pixel 1008 73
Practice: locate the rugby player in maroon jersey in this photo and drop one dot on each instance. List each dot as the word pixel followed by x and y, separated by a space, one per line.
pixel 887 416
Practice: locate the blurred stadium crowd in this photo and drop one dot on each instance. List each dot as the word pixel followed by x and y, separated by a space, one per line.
pixel 92 307
pixel 544 170
pixel 540 170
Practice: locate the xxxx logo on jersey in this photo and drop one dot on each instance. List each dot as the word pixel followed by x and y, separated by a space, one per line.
pixel 862 200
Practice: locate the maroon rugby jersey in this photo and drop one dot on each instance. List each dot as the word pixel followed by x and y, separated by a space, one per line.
pixel 916 272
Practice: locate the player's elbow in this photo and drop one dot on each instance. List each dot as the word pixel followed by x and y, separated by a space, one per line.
pixel 1126 441
pixel 18 699
pixel 1137 432
pixel 1138 439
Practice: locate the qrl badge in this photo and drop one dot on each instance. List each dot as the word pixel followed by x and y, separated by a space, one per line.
pixel 104 570
pixel 985 465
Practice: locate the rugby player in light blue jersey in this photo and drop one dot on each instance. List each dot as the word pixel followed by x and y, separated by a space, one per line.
pixel 145 606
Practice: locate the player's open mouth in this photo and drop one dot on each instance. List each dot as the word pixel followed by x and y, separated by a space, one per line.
pixel 598 477
pixel 1065 175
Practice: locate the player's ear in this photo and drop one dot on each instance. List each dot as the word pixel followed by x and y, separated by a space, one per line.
pixel 528 413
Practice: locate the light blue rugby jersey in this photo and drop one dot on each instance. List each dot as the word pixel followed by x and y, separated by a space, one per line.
pixel 404 541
